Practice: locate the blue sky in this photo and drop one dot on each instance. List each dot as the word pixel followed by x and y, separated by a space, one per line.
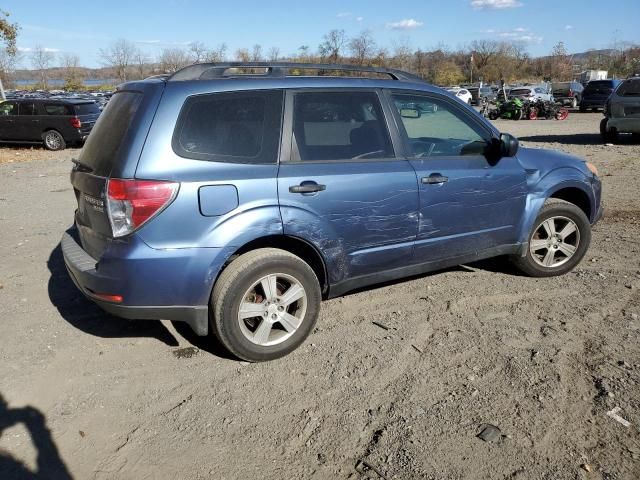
pixel 83 27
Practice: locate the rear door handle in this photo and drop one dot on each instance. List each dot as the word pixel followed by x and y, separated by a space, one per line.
pixel 307 187
pixel 435 178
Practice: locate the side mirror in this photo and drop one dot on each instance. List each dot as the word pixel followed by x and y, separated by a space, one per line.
pixel 508 145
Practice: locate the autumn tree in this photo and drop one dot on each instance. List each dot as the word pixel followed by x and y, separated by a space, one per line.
pixel 8 33
pixel 559 65
pixel 273 54
pixel 256 53
pixel 198 52
pixel 119 56
pixel 173 59
pixel 362 48
pixel 217 54
pixel 243 55
pixel 141 60
pixel 41 59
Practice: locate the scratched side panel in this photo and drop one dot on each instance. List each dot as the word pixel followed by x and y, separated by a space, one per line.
pixel 366 219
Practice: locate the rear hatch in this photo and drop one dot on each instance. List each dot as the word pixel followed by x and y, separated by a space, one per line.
pixel 88 114
pixel 111 151
pixel 561 89
pixel 598 90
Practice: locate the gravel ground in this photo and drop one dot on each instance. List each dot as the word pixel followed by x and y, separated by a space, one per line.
pixel 543 360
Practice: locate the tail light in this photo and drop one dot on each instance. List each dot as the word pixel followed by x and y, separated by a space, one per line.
pixel 571 93
pixel 131 203
pixel 75 122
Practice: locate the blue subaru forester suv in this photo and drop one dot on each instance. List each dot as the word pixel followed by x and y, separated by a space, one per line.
pixel 237 196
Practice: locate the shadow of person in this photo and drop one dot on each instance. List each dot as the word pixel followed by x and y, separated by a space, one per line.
pixel 49 465
pixel 88 317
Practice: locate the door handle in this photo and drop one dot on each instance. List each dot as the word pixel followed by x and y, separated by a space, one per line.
pixel 435 179
pixel 307 187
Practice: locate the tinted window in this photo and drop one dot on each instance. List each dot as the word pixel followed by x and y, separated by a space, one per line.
pixel 86 108
pixel 230 127
pixel 630 88
pixel 520 91
pixel 101 148
pixel 436 128
pixel 9 108
pixel 599 86
pixel 57 109
pixel 339 126
pixel 28 109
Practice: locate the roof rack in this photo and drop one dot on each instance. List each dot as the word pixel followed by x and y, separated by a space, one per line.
pixel 207 71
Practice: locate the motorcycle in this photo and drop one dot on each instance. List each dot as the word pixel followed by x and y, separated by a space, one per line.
pixel 512 109
pixel 548 110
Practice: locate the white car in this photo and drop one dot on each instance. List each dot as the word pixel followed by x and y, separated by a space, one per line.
pixel 531 93
pixel 462 93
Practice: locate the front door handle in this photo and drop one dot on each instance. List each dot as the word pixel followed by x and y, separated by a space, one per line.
pixel 307 187
pixel 435 179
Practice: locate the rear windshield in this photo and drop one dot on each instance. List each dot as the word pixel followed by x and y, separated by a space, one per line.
pixel 520 91
pixel 101 149
pixel 86 108
pixel 599 86
pixel 630 88
pixel 560 86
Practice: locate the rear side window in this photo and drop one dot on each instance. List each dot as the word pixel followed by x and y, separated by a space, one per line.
pixel 57 109
pixel 8 108
pixel 339 126
pixel 241 127
pixel 100 151
pixel 86 109
pixel 28 109
pixel 629 88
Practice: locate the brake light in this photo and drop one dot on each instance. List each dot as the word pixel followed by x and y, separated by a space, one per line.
pixel 571 93
pixel 75 122
pixel 131 203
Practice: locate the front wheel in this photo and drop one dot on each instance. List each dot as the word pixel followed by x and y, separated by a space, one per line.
pixel 560 238
pixel 265 304
pixel 53 140
pixel 562 114
pixel 533 114
pixel 574 102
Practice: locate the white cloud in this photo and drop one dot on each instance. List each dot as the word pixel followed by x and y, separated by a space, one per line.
pixel 568 27
pixel 406 24
pixel 359 19
pixel 518 34
pixel 495 4
pixel 343 14
pixel 29 49
pixel 161 43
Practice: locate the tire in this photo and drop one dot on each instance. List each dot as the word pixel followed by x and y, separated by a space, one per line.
pixel 242 280
pixel 562 114
pixel 608 136
pixel 533 114
pixel 561 214
pixel 574 102
pixel 518 114
pixel 493 115
pixel 53 140
pixel 583 109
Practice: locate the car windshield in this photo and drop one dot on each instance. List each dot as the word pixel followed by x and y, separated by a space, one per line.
pixel 520 91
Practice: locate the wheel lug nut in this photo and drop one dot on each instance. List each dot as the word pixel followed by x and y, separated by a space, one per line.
pixel 274 316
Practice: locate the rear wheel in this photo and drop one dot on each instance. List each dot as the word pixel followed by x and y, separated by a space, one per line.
pixel 583 109
pixel 533 114
pixel 608 136
pixel 574 102
pixel 53 140
pixel 265 304
pixel 558 241
pixel 562 114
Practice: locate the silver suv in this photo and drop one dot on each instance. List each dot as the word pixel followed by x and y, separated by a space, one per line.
pixel 622 111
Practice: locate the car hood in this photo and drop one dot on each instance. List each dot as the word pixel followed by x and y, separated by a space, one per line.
pixel 541 161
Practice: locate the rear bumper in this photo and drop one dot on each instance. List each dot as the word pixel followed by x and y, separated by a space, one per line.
pixel 154 284
pixel 624 124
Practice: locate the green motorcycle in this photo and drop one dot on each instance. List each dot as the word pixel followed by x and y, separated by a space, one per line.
pixel 513 109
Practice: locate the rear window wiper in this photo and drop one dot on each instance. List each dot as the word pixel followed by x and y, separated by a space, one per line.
pixel 82 167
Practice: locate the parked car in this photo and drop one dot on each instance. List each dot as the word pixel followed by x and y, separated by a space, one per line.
pixel 622 111
pixel 54 122
pixel 567 93
pixel 596 93
pixel 236 202
pixel 532 93
pixel 478 93
pixel 462 93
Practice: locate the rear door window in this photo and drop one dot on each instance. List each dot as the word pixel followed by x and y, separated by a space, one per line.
pixel 28 108
pixel 339 126
pixel 9 108
pixel 240 127
pixel 629 88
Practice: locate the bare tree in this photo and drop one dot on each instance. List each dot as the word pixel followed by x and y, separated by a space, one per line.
pixel 198 52
pixel 362 47
pixel 217 54
pixel 242 55
pixel 173 59
pixel 332 45
pixel 142 60
pixel 273 54
pixel 256 53
pixel 119 56
pixel 41 59
pixel 71 72
pixel 8 64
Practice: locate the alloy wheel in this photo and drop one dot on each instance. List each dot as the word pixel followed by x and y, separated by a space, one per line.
pixel 554 242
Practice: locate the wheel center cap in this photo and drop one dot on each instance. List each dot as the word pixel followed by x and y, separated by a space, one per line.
pixel 272 309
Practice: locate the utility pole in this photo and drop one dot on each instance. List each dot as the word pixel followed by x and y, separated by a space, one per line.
pixel 4 97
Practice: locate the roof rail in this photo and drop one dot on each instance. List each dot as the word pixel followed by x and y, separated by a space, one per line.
pixel 207 71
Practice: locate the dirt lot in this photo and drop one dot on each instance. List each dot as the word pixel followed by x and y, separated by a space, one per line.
pixel 541 359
